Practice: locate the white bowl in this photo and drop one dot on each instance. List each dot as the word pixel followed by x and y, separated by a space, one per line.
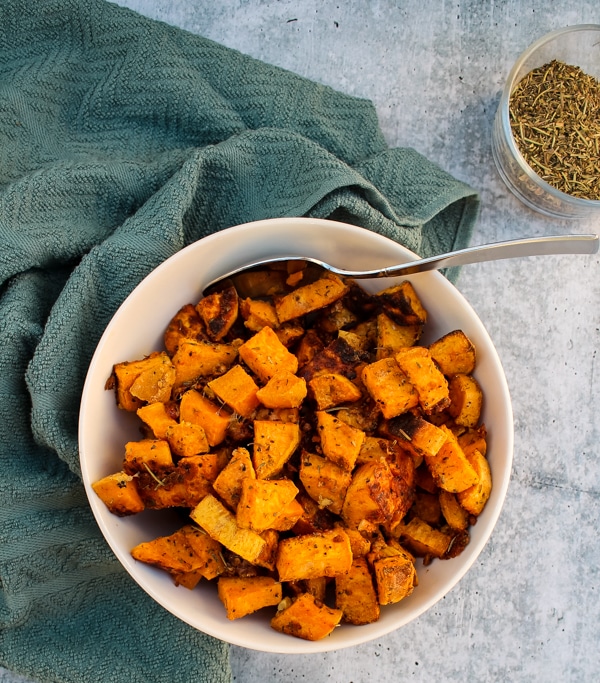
pixel 137 329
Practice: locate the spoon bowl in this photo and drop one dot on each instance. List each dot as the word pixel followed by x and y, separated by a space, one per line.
pixel 529 246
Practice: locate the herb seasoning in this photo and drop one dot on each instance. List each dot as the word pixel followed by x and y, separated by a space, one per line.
pixel 555 119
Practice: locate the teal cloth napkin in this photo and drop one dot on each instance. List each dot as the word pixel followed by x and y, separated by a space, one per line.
pixel 121 141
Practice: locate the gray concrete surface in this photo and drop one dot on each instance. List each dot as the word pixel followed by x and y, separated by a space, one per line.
pixel 529 610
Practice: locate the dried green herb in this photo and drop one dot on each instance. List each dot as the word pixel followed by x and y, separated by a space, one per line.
pixel 555 119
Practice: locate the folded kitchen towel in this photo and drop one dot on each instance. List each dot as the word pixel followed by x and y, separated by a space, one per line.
pixel 122 140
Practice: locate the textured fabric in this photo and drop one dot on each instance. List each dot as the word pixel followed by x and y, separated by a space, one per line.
pixel 121 141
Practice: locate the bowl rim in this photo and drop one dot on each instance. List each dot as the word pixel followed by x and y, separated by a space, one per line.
pixel 355 636
pixel 577 202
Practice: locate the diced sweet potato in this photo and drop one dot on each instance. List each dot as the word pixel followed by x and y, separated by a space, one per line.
pixel 143 381
pixel 454 353
pixel 265 355
pixel 423 540
pixel 147 454
pixel 310 297
pixel 171 553
pixel 220 524
pixel 185 486
pixel 242 596
pixel 288 516
pixel 260 283
pixel 262 501
pixel 289 332
pixel 258 314
pixel 370 495
pixel 283 390
pixel 228 483
pixel 306 618
pixel 340 442
pixel 450 467
pixel 157 417
pixel 332 389
pixel 355 594
pixel 474 439
pixel 401 304
pixel 310 346
pixel 185 324
pixel 198 358
pixel 314 555
pixel 187 438
pixel 475 498
pixel 339 357
pixel 391 336
pixel 455 515
pixel 427 507
pixel 395 573
pixel 274 443
pixel 237 389
pixel 119 493
pixel 336 317
pixel 268 555
pixel 466 400
pixel 214 419
pixel 324 481
pixel 429 383
pixel 219 311
pixel 420 437
pixel 389 387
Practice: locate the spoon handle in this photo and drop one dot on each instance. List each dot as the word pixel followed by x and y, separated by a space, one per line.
pixel 530 246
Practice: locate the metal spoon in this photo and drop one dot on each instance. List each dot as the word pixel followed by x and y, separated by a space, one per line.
pixel 530 246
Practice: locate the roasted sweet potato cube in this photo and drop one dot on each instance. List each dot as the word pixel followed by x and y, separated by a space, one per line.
pixel 466 400
pixel 283 390
pixel 265 355
pixel 373 448
pixel 389 387
pixel 332 389
pixel 214 419
pixel 474 439
pixel 340 442
pixel 429 383
pixel 311 297
pixel 258 314
pixel 171 553
pixel 186 324
pixel 228 483
pixel 358 543
pixel 147 454
pixel 370 495
pixel 339 356
pixel 415 434
pixel 288 516
pixel 455 515
pixel 268 554
pixel 475 498
pixel 324 481
pixel 395 573
pixel 336 317
pixel 143 381
pixel 119 493
pixel 313 555
pixel 187 438
pixel 401 304
pixel 423 540
pixel 219 311
pixel 391 337
pixel 237 389
pixel 274 443
pixel 185 486
pixel 355 594
pixel 157 417
pixel 209 560
pixel 242 596
pixel 310 345
pixel 199 358
pixel 262 501
pixel 307 618
pixel 454 353
pixel 289 332
pixel 219 523
pixel 450 467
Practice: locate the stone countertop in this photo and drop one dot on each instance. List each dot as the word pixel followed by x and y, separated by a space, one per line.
pixel 529 609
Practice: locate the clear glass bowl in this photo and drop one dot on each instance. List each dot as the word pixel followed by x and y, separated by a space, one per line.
pixel 575 45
